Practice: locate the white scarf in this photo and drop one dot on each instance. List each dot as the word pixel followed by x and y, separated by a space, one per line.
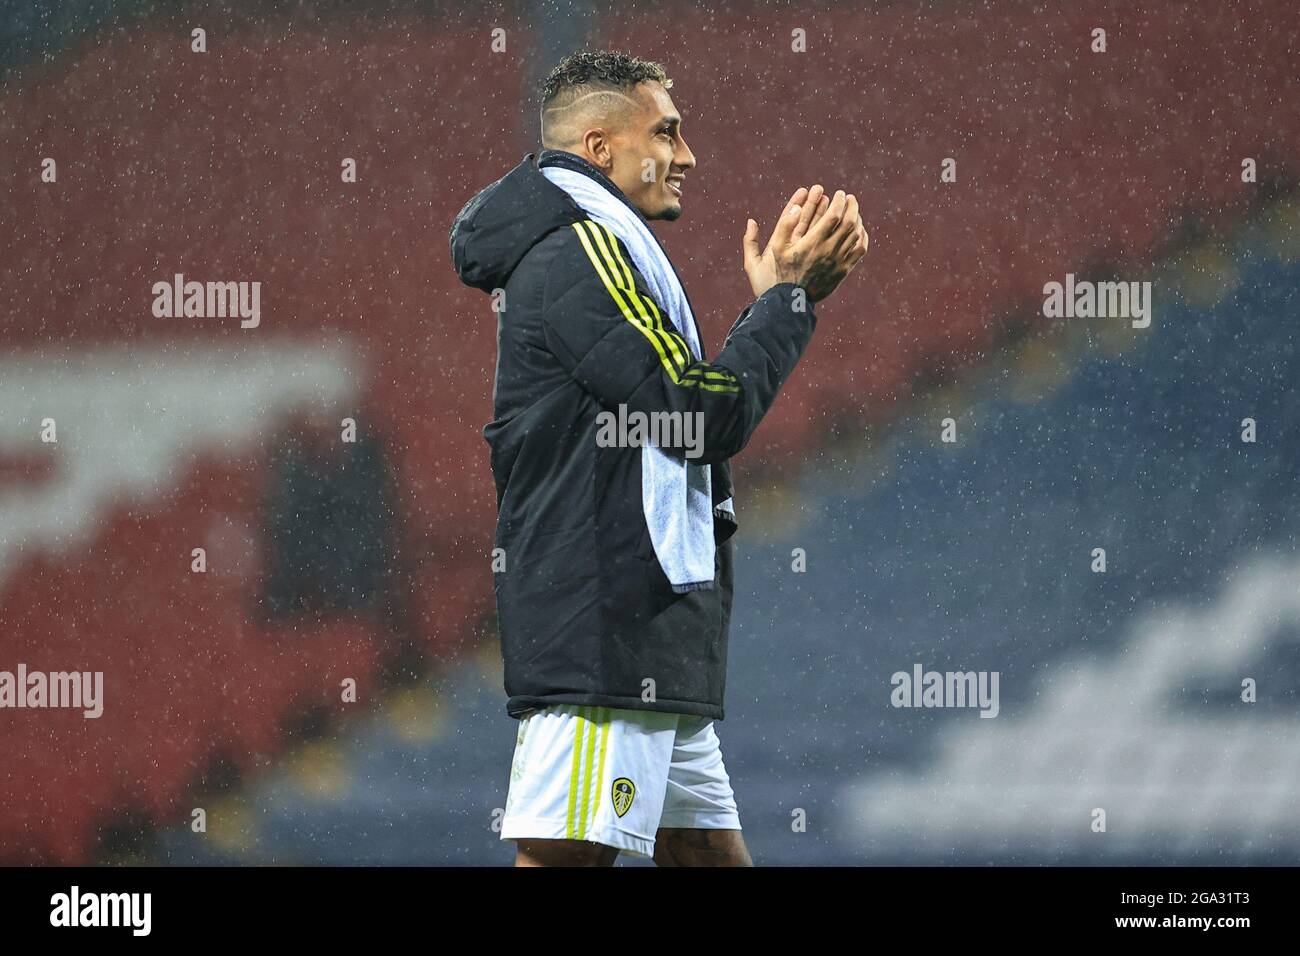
pixel 676 495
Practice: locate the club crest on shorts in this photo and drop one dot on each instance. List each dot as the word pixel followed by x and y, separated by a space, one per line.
pixel 623 791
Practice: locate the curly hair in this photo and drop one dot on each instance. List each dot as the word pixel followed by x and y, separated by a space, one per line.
pixel 596 71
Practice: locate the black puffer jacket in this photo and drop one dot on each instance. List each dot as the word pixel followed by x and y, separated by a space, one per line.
pixel 586 614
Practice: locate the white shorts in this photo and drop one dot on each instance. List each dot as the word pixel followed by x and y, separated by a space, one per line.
pixel 615 777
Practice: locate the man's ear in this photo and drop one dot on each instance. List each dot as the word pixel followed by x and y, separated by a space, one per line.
pixel 597 146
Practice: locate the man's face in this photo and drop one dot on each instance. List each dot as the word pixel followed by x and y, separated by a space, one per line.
pixel 650 156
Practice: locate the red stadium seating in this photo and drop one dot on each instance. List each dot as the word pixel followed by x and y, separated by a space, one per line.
pixel 227 166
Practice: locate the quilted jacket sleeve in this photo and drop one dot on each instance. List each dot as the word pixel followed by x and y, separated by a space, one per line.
pixel 605 328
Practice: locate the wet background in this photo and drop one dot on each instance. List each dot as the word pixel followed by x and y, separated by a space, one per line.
pixel 369 560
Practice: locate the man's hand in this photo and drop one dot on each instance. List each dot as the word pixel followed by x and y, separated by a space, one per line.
pixel 816 243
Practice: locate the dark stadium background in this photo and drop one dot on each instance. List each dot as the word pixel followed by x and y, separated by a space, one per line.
pixel 370 560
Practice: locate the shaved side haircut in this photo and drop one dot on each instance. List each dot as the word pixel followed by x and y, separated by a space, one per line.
pixel 590 89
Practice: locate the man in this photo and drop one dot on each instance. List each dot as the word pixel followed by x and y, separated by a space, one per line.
pixel 615 577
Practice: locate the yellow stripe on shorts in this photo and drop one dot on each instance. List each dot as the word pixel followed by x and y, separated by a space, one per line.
pixel 590 742
pixel 605 721
pixel 579 726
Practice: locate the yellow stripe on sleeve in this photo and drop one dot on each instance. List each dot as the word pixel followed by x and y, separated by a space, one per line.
pixel 643 325
pixel 679 348
pixel 615 275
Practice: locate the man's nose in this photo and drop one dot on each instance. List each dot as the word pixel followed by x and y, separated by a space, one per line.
pixel 684 157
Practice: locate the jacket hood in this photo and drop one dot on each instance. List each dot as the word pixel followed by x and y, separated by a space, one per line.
pixel 499 225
